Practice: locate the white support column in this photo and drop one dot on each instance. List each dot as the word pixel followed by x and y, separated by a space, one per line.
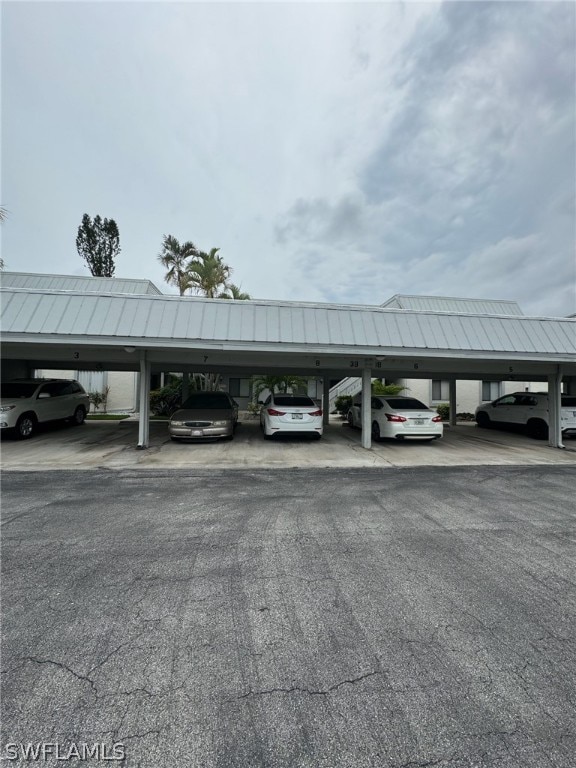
pixel 452 401
pixel 144 404
pixel 325 401
pixel 366 408
pixel 554 412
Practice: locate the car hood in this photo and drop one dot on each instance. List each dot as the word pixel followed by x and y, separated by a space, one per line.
pixel 202 414
pixel 12 400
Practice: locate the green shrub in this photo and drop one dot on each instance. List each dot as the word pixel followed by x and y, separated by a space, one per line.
pixel 343 403
pixel 443 410
pixel 378 388
pixel 164 401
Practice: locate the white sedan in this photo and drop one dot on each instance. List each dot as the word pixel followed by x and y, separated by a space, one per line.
pixel 399 417
pixel 290 414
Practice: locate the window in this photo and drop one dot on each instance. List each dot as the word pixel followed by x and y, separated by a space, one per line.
pixel 440 389
pixel 490 390
pixel 239 387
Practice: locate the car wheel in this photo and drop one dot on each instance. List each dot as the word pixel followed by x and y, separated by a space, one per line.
pixel 376 430
pixel 483 420
pixel 175 439
pixel 537 429
pixel 350 419
pixel 229 437
pixel 79 416
pixel 25 426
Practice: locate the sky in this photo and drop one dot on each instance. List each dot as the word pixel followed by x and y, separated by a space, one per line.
pixel 334 152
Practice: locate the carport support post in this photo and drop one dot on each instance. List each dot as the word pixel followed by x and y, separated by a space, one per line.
pixel 452 403
pixel 325 401
pixel 367 408
pixel 554 412
pixel 144 422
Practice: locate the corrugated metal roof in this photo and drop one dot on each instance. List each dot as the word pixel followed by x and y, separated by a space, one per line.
pixel 175 321
pixel 78 283
pixel 454 304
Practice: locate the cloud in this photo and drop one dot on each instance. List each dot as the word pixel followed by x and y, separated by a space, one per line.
pixel 470 187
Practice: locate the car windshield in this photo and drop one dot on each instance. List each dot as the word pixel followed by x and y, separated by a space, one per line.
pixel 290 400
pixel 18 389
pixel 208 400
pixel 406 404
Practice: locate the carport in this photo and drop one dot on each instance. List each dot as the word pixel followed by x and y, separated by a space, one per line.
pixel 153 333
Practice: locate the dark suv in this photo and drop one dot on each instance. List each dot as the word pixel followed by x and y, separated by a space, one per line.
pixel 25 403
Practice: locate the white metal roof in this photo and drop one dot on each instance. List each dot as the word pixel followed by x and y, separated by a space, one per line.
pixel 78 283
pixel 454 304
pixel 175 321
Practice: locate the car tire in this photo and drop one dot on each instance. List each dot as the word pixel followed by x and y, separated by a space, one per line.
pixel 79 416
pixel 317 436
pixel 350 419
pixel 537 429
pixel 25 426
pixel 175 439
pixel 483 420
pixel 376 431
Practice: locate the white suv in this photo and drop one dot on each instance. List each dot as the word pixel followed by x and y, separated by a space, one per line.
pixel 528 410
pixel 25 403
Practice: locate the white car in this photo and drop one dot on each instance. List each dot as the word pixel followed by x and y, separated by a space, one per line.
pixel 25 403
pixel 398 417
pixel 529 411
pixel 290 414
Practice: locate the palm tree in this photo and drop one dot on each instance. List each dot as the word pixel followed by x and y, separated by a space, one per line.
pixel 234 292
pixel 176 258
pixel 208 274
pixel 277 383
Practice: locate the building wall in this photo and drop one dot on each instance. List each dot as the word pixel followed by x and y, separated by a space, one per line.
pixel 468 393
pixel 122 394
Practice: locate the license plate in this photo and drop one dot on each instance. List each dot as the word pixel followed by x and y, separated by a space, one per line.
pixel 197 432
pixel 296 415
pixel 419 421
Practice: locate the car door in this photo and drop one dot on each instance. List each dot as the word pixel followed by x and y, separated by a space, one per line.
pixel 47 405
pixel 521 409
pixel 501 410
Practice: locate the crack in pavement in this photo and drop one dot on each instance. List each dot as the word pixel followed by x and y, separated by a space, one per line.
pixel 311 692
pixel 59 664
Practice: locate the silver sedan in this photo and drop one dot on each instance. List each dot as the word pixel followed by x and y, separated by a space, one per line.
pixel 205 414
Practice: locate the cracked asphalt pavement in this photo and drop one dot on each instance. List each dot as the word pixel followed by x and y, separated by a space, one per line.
pixel 293 618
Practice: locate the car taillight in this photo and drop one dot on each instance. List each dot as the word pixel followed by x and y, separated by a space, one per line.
pixel 394 417
pixel 437 418
pixel 274 412
pixel 316 413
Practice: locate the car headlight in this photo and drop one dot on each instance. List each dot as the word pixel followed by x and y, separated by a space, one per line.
pixel 176 423
pixel 5 408
pixel 219 423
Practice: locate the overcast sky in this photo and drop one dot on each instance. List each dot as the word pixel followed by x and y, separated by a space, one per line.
pixel 334 152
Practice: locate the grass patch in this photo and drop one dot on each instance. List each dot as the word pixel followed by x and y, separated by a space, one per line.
pixel 107 416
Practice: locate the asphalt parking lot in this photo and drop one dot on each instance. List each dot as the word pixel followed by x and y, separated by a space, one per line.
pixel 112 445
pixel 293 618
